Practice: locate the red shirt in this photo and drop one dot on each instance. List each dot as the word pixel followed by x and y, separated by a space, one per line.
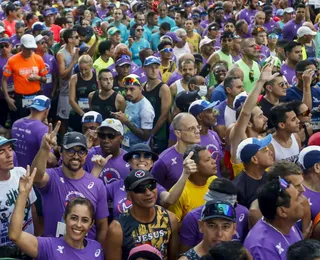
pixel 56 32
pixel 9 27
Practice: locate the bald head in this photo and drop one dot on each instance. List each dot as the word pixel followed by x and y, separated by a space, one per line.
pixel 235 72
pixel 246 42
pixel 181 120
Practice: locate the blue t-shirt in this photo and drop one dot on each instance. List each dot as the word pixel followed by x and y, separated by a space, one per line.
pixel 123 31
pixel 136 47
pixel 149 31
pixel 155 40
pixel 218 94
pixel 168 20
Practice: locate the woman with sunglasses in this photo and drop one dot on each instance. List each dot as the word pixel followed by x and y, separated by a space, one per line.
pixel 304 115
pixel 73 245
pixel 141 157
pixel 136 43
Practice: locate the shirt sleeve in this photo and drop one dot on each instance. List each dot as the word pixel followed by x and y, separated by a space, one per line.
pixel 49 186
pixel 189 229
pixel 147 117
pixel 259 253
pixel 42 67
pixel 44 246
pixel 102 210
pixel 7 70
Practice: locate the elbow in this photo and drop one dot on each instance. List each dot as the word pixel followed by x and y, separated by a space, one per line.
pixel 13 235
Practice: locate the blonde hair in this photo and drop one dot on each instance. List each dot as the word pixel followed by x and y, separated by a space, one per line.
pixel 85 59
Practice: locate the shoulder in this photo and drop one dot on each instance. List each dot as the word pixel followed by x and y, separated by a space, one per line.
pixel 18 171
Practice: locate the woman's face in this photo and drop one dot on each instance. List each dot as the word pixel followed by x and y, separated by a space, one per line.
pixel 141 161
pixel 85 69
pixel 304 114
pixel 139 32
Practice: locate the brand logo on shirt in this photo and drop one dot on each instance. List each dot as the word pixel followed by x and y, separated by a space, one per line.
pixel 280 249
pixel 97 253
pixel 60 249
pixel 139 174
pixel 127 165
pixel 310 203
pixel 174 161
pixel 91 184
pixel 124 205
pixel 61 179
pixel 241 217
pixel 72 195
pixel 109 175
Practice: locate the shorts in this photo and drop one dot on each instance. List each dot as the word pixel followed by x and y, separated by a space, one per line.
pixel 64 108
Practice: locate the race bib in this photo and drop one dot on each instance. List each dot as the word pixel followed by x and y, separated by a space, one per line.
pixel 49 78
pixel 10 87
pixel 126 142
pixel 61 229
pixel 83 103
pixel 27 101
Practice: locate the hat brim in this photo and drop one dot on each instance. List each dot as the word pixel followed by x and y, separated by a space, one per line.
pixel 219 216
pixel 30 46
pixel 124 63
pixel 136 183
pixel 39 108
pixel 68 146
pixel 154 62
pixel 265 141
pixel 128 155
pixel 9 141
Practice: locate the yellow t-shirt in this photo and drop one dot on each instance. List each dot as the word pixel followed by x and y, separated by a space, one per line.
pixel 167 71
pixel 99 64
pixel 195 41
pixel 191 198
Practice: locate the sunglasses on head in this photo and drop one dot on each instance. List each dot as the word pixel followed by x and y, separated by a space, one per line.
pixel 131 81
pixel 283 184
pixel 4 45
pixel 142 188
pixel 145 155
pixel 219 209
pixel 167 50
pixel 305 113
pixel 273 36
pixel 110 136
pixel 251 75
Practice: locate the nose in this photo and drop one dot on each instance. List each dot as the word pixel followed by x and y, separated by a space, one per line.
pixel 147 192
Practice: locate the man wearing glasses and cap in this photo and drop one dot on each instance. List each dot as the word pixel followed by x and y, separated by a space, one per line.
pixel 144 223
pixel 139 114
pixel 217 223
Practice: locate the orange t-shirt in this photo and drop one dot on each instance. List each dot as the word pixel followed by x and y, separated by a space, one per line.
pixel 20 69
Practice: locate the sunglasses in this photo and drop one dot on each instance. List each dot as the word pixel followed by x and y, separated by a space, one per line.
pixel 142 188
pixel 283 184
pixel 131 81
pixel 218 209
pixel 110 136
pixel 4 45
pixel 145 155
pixel 273 36
pixel 305 113
pixel 71 152
pixel 251 75
pixel 139 30
pixel 226 40
pixel 167 50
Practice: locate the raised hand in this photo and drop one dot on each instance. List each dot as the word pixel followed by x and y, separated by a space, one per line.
pixel 307 77
pixel 266 73
pixel 26 181
pixel 49 140
pixel 189 166
pixel 91 136
pixel 100 161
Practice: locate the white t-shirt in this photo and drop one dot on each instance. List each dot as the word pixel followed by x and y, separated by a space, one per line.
pixel 9 191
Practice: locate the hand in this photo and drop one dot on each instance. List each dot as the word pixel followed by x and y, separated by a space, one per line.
pixel 120 116
pixel 49 140
pixel 34 77
pixel 307 77
pixel 189 166
pixel 307 233
pixel 76 55
pixel 11 104
pixel 26 181
pixel 91 136
pixel 100 161
pixel 130 40
pixel 266 73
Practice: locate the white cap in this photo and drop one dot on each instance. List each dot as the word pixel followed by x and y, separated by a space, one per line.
pixel 205 41
pixel 28 41
pixel 1 29
pixel 114 124
pixel 304 30
pixel 289 10
pixel 39 38
pixel 309 156
pixel 239 100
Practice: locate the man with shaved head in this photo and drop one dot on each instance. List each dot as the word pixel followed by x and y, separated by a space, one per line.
pixel 168 168
pixel 259 19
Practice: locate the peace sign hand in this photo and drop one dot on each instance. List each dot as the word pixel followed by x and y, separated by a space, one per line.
pixel 49 140
pixel 26 181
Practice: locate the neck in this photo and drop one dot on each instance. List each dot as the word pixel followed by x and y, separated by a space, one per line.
pixel 144 215
pixel 114 153
pixel 48 24
pixel 247 61
pixel 165 62
pixel 151 83
pixel 198 180
pixel 204 55
pixel 116 22
pixel 105 57
pixel 4 175
pixel 6 55
pixel 291 64
pixel 282 135
pixel 190 34
pixel 204 130
pixel 41 53
pixel 202 248
pixel 88 77
pixel 105 93
pixel 36 116
pixel 282 225
pixel 298 20
pixel 272 46
pixel 312 181
pixel 251 133
pixel 271 98
pixel 234 53
pixel 69 47
pixel 10 19
pixel 71 174
pixel 74 244
pixel 225 51
pixel 181 146
pixel 255 171
pixel 230 100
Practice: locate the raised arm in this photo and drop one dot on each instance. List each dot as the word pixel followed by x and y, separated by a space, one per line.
pixel 28 243
pixel 307 79
pixel 49 141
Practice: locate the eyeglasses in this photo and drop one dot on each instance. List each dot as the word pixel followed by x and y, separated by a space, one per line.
pixel 131 81
pixel 142 188
pixel 167 50
pixel 4 45
pixel 305 113
pixel 139 30
pixel 218 209
pixel 42 42
pixel 226 40
pixel 251 75
pixel 71 152
pixel 273 36
pixel 145 155
pixel 192 128
pixel 110 136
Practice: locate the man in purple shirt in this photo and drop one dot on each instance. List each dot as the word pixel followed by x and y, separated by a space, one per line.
pixel 102 9
pixel 58 186
pixel 219 189
pixel 110 134
pixel 249 13
pixel 269 24
pixel 290 28
pixel 15 39
pixel 280 205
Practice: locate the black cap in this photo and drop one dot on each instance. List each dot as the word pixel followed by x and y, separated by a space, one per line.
pixel 135 177
pixel 73 139
pixel 223 185
pixel 267 9
pixel 198 57
pixel 140 148
pixel 217 8
pixel 164 43
pixel 227 34
pixel 184 99
pixel 214 26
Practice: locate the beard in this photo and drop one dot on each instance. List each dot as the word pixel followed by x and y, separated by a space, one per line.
pixel 71 167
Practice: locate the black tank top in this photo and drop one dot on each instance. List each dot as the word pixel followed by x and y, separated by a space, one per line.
pixel 104 107
pixel 157 233
pixel 84 87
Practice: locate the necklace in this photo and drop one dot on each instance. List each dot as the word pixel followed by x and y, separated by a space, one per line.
pixel 276 230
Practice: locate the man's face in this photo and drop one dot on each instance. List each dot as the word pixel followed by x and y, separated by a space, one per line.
pixel 75 38
pixel 34 5
pixel 292 122
pixel 207 166
pixel 259 121
pixel 5 48
pixel 260 18
pixel 74 158
pixel 236 89
pixel 106 81
pixel 226 43
pixel 152 71
pixel 217 230
pixel 229 27
pixel 268 16
pixel 209 117
pixel 295 211
pixel 166 52
pixel 104 3
pixel 207 49
pixel 163 11
pixel 219 15
pixel 117 15
pixel 89 126
pixel 279 87
pixel 300 14
pixel 264 157
pixel 219 72
pixel 253 4
pixel 154 20
pixel 187 71
pixel 261 38
pixel 123 70
pixel 189 25
pixel 49 19
pixel 6 157
pixel 19 32
pixel 110 140
pixel 287 16
pixel 236 44
pixel 133 92
pixel 188 132
pixel 251 51
pixel 116 38
pixel 42 46
pixel 144 200
pixel 140 20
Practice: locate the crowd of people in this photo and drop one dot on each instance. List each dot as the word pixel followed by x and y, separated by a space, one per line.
pixel 160 130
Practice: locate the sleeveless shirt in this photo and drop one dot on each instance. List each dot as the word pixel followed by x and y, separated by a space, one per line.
pixel 281 153
pixel 64 82
pixel 104 107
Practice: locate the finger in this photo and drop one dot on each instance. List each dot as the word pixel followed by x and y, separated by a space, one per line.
pixel 56 129
pixel 189 156
pixel 109 157
pixel 50 129
pixel 33 174
pixel 28 170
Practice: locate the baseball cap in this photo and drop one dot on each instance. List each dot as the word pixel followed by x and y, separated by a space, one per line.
pixel 2 40
pixel 4 141
pixel 92 117
pixel 267 9
pixel 145 251
pixel 226 34
pixel 217 8
pixel 197 57
pixel 188 4
pixel 205 41
pixel 288 10
pixel 214 26
pixel 28 41
pixel 135 177
pixel 314 139
pixel 174 37
pixel 48 12
pixel 239 100
pixel 184 99
pixel 250 146
pixel 218 209
pixel 123 60
pixel 114 124
pixel 113 31
pixel 40 103
pixel 1 29
pixel 38 26
pixel 39 37
pixel 304 30
pixel 140 148
pixel 309 156
pixel 151 60
pixel 73 139
pixel 199 106
pixel 280 12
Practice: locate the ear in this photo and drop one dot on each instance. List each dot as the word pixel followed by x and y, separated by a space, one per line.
pixel 316 168
pixel 281 125
pixel 234 228
pixel 269 88
pixel 254 159
pixel 201 226
pixel 281 212
pixel 177 133
pixel 228 90
pixel 92 223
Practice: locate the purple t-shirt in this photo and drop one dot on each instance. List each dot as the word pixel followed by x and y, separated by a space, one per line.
pixel 114 170
pixel 313 198
pixel 52 67
pixel 271 25
pixel 3 62
pixel 118 195
pixel 290 30
pixel 264 52
pixel 102 13
pixel 265 242
pixel 26 7
pixel 168 168
pixel 29 133
pixel 190 234
pixel 248 15
pixel 60 190
pixel 173 78
pixel 211 141
pixel 14 40
pixel 56 248
pixel 289 73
